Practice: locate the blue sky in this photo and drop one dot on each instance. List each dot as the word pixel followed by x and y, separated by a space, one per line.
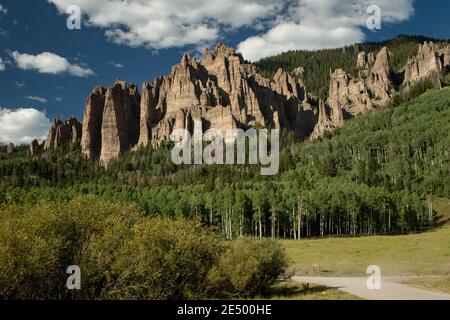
pixel 138 40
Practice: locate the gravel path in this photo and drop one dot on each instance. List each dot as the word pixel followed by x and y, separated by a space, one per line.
pixel 391 288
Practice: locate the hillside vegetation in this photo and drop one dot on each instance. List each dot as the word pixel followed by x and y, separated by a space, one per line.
pixel 319 64
pixel 377 175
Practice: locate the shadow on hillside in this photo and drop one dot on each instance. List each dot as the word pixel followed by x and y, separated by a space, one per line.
pixel 440 220
pixel 289 290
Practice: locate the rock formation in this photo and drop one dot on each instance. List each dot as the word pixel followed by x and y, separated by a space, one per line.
pixel 426 64
pixel 120 121
pixel 223 91
pixel 62 133
pixel 34 148
pixel 10 148
pixel 444 54
pixel 351 95
pixel 92 123
pixel 364 60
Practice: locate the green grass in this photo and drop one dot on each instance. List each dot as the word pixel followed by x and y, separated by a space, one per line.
pixel 296 291
pixel 434 283
pixel 426 253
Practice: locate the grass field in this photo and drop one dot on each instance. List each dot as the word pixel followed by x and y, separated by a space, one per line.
pixel 418 254
pixel 426 253
pixel 434 283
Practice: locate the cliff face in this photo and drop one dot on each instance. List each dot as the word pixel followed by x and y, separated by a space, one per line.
pixel 34 148
pixel 120 121
pixel 223 91
pixel 91 141
pixel 428 62
pixel 62 133
pixel 350 96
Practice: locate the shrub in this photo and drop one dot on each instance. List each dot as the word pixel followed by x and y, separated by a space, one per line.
pixel 248 267
pixel 157 259
pixel 124 255
pixel 38 243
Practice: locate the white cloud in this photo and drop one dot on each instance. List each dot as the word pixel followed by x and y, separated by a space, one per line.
pixel 319 24
pixel 3 9
pixel 2 65
pixel 283 24
pixel 175 23
pixel 20 84
pixel 58 99
pixel 116 65
pixel 38 99
pixel 49 63
pixel 22 125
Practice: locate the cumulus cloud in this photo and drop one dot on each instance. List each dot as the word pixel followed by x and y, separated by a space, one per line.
pixel 175 23
pixel 2 64
pixel 22 125
pixel 283 24
pixel 49 63
pixel 320 24
pixel 38 99
pixel 3 9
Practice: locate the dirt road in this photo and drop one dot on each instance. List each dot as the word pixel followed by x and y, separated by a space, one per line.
pixel 391 288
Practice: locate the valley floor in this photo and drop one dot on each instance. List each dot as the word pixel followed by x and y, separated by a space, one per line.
pixel 421 254
pixel 412 267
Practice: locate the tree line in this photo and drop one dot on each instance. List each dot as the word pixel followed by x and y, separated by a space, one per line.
pixel 374 176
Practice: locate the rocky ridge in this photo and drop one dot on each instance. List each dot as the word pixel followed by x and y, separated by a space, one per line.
pixel 224 91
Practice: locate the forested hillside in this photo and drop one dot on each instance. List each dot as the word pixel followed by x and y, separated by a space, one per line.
pixel 374 176
pixel 318 64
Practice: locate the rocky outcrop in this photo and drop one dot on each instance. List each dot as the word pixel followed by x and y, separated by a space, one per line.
pixel 326 120
pixel 361 94
pixel 111 121
pixel 351 95
pixel 364 60
pixel 223 91
pixel 62 133
pixel 379 82
pixel 426 64
pixel 150 114
pixel 91 141
pixel 34 148
pixel 120 121
pixel 10 148
pixel 348 97
pixel 444 54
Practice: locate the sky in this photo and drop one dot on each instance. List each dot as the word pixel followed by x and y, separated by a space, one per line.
pixel 47 70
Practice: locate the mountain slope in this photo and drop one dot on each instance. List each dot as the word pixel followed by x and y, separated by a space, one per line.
pixel 373 176
pixel 318 64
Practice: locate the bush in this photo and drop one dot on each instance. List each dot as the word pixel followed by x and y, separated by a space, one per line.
pixel 157 259
pixel 38 243
pixel 124 255
pixel 248 267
